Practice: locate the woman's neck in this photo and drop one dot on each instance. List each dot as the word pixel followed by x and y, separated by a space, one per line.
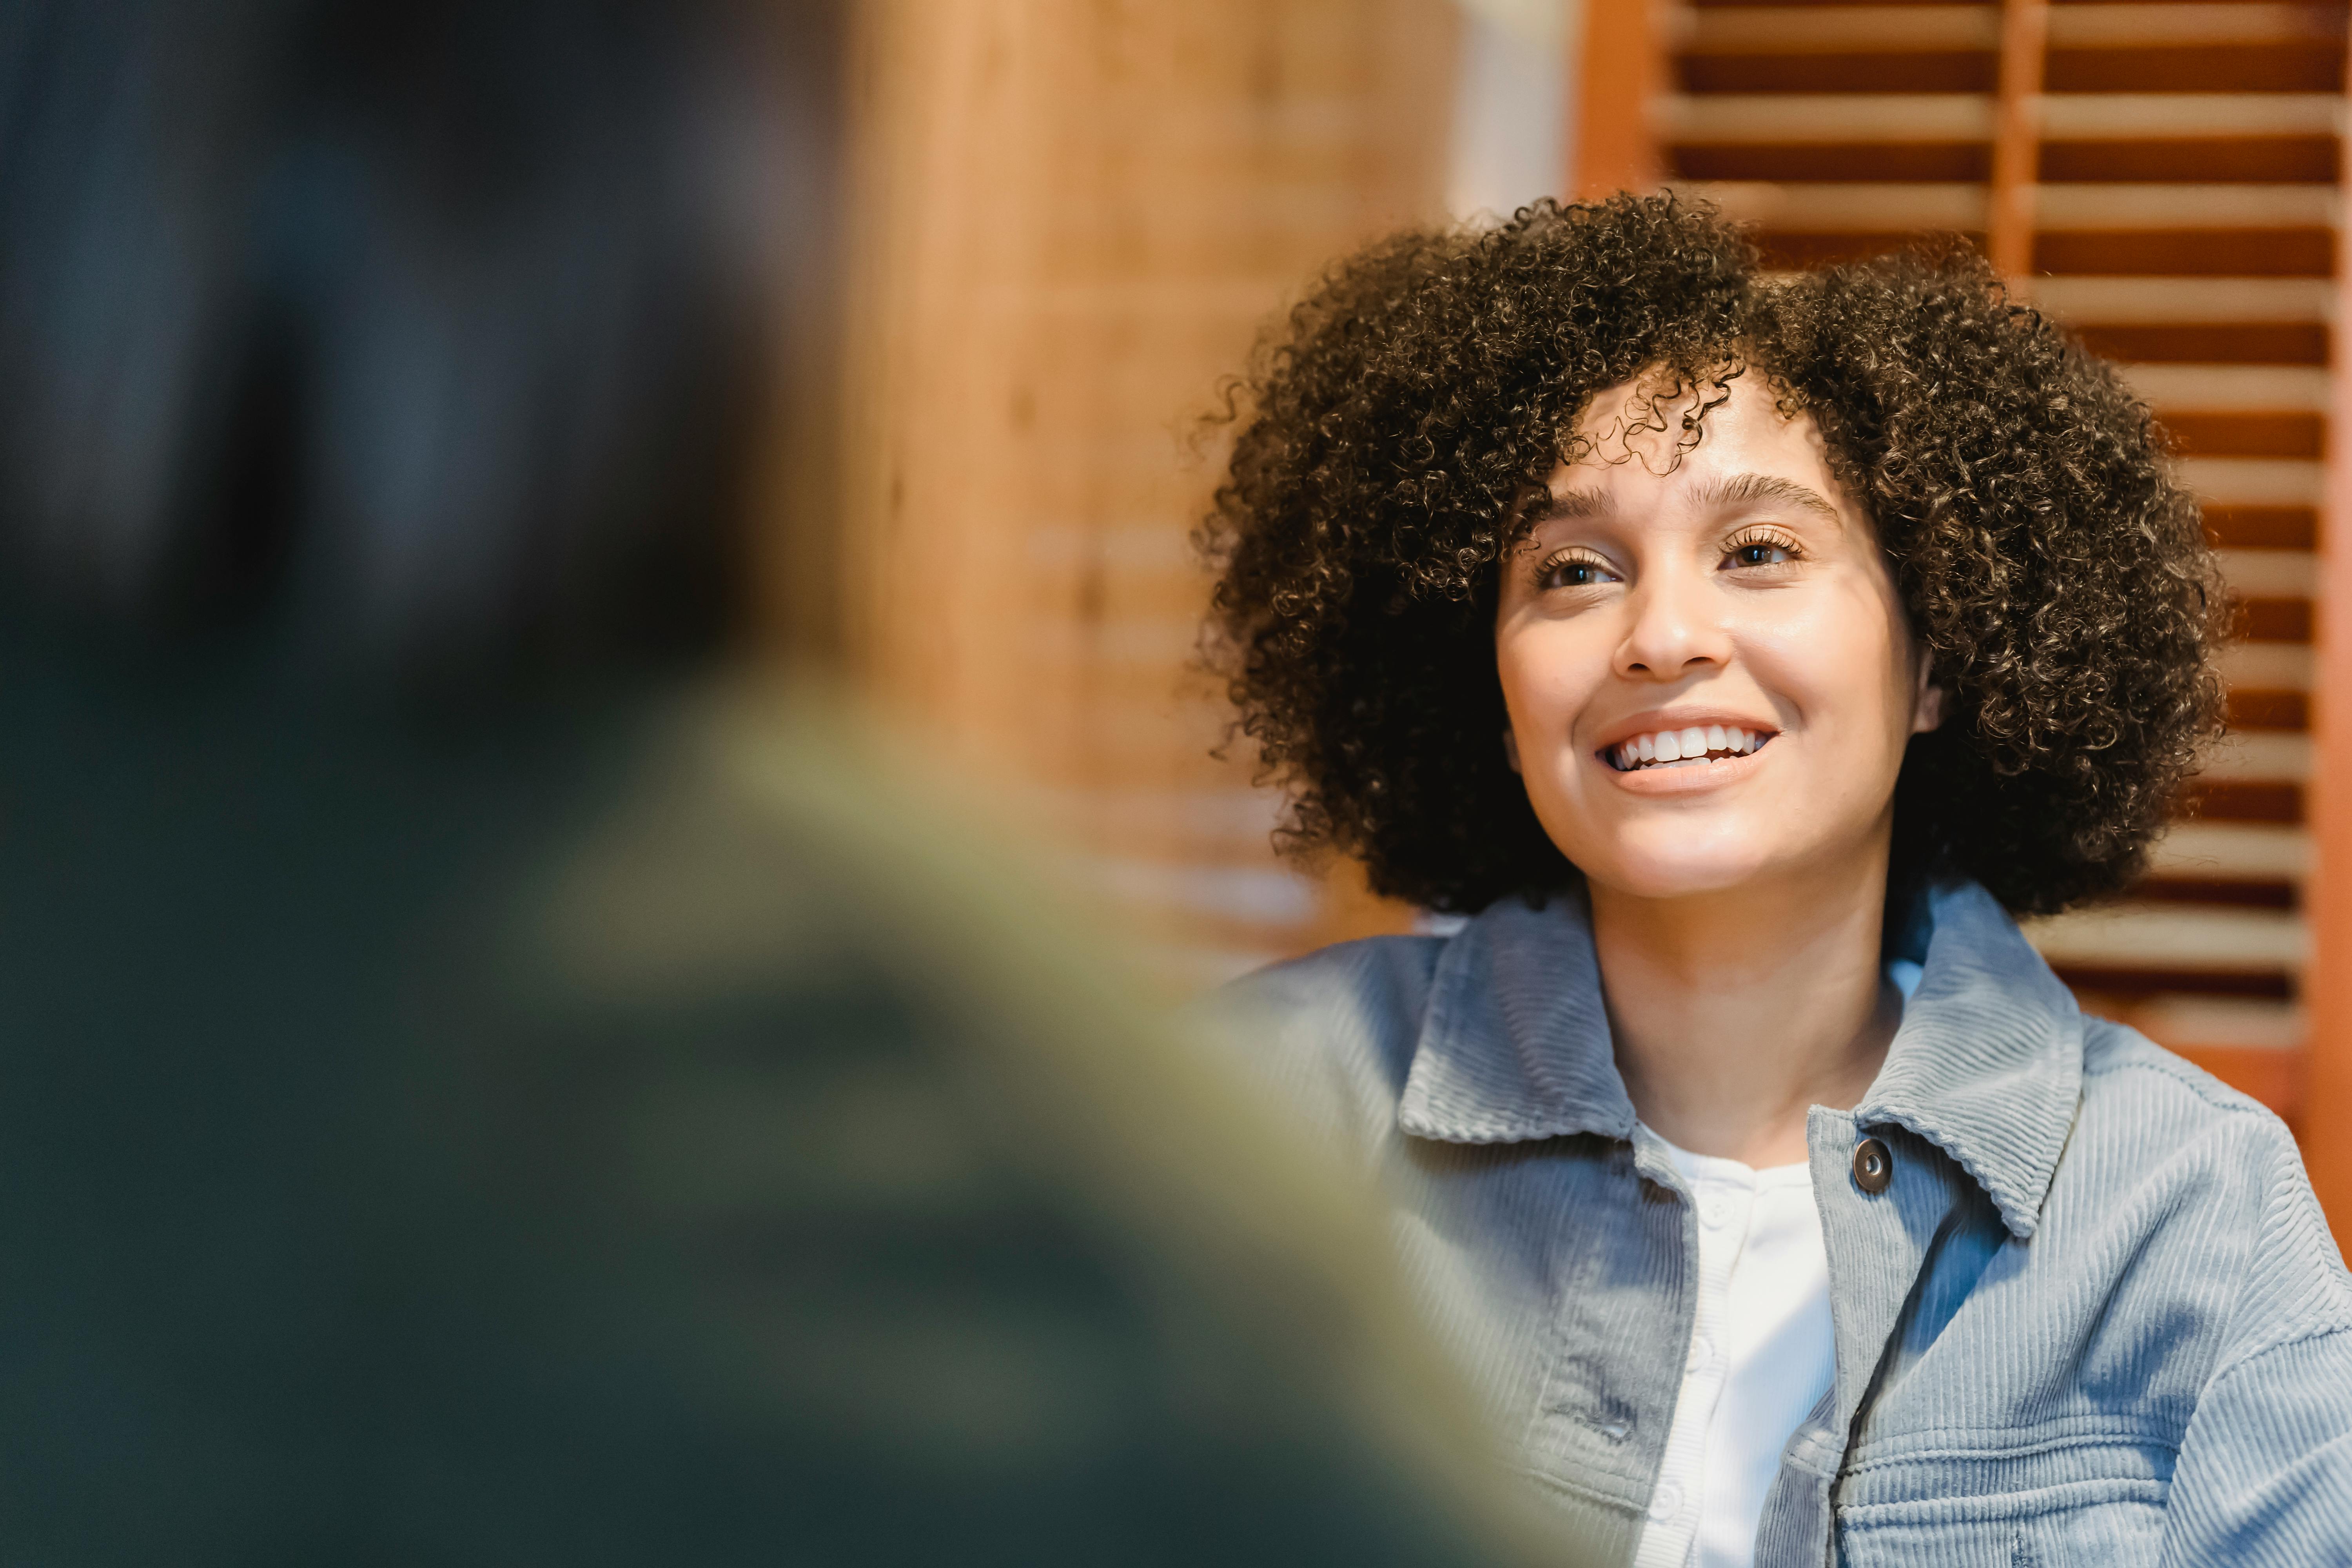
pixel 1735 1011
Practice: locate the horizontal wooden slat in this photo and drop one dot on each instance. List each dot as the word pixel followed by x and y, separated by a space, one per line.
pixel 1849 208
pixel 2252 481
pixel 2236 851
pixel 2230 388
pixel 2269 573
pixel 1854 29
pixel 1793 118
pixel 2181 116
pixel 2259 755
pixel 1882 208
pixel 2173 937
pixel 2245 1022
pixel 1857 117
pixel 2192 25
pixel 2183 302
pixel 2267 667
pixel 2150 206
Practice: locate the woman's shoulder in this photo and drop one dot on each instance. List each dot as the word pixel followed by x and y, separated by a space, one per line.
pixel 2131 1086
pixel 1379 973
pixel 2145 1110
pixel 2158 1135
pixel 1336 1029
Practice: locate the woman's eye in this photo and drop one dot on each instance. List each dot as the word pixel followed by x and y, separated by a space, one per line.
pixel 1761 552
pixel 1576 575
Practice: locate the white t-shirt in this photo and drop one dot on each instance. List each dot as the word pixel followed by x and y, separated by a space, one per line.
pixel 1762 1353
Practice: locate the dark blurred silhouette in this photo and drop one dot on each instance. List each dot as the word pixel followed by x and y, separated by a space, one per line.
pixel 478 1085
pixel 420 323
pixel 630 1132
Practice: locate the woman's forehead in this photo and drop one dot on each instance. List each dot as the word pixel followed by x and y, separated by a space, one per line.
pixel 1724 441
pixel 1658 414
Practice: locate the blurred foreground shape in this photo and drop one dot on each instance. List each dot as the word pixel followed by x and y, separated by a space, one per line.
pixel 481 1082
pixel 630 1128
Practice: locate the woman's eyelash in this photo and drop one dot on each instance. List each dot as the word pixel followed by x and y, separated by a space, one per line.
pixel 1763 539
pixel 1567 560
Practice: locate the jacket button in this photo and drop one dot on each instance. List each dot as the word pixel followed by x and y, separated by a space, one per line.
pixel 1874 1167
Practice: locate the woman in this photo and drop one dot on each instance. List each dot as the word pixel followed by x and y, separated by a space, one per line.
pixel 1740 656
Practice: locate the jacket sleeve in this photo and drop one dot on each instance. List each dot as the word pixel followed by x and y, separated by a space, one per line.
pixel 2264 1472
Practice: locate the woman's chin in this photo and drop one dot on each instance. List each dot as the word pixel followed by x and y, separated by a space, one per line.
pixel 1676 876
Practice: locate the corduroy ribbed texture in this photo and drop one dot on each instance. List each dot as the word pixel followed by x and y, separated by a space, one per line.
pixel 2097 1317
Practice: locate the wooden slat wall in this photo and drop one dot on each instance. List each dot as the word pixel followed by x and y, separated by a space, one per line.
pixel 2328 1078
pixel 1073 216
pixel 2169 186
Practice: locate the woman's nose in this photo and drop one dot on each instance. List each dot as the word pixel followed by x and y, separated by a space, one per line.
pixel 1675 626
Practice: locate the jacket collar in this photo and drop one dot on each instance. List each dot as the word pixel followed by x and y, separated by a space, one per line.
pixel 1987 1064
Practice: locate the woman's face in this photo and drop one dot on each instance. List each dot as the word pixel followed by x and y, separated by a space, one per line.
pixel 1708 673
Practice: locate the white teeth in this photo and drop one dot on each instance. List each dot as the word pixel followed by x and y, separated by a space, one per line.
pixel 1682 748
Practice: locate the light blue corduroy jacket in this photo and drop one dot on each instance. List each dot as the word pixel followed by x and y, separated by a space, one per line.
pixel 2095 1317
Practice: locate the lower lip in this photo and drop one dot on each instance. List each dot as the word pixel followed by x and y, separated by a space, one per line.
pixel 1689 781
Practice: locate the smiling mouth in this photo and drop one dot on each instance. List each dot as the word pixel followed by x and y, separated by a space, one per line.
pixel 1684 748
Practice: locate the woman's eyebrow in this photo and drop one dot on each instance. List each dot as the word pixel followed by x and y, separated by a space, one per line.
pixel 1548 508
pixel 1740 489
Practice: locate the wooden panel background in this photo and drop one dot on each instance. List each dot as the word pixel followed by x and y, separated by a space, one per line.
pixel 2329 983
pixel 1073 217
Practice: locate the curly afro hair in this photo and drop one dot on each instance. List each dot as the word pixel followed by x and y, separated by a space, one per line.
pixel 2057 575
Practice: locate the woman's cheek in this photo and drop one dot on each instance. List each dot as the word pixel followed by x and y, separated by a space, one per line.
pixel 1816 652
pixel 1538 687
pixel 1835 672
